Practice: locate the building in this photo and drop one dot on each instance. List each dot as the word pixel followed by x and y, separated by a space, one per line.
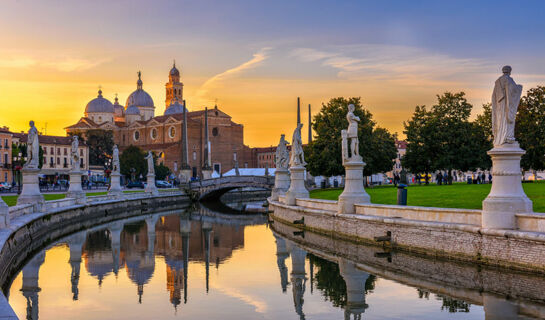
pixel 56 154
pixel 6 170
pixel 136 124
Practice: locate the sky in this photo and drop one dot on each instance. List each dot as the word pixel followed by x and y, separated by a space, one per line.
pixel 256 57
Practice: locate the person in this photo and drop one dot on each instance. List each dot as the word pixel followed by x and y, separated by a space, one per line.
pixel 439 178
pixel 418 177
pixel 489 177
pixel 483 177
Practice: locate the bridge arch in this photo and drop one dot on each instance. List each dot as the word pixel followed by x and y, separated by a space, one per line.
pixel 211 189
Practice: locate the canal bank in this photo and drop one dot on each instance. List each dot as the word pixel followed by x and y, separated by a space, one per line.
pixel 448 233
pixel 504 295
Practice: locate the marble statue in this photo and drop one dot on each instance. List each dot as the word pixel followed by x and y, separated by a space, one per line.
pixel 505 102
pixel 115 159
pixel 282 153
pixel 352 132
pixel 297 154
pixel 33 148
pixel 74 154
pixel 151 165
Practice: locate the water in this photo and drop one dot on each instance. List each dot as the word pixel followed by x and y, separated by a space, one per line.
pixel 207 265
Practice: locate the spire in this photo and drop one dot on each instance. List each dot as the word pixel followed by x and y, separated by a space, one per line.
pixel 174 64
pixel 309 125
pixel 206 140
pixel 116 99
pixel 100 91
pixel 185 149
pixel 139 82
pixel 298 110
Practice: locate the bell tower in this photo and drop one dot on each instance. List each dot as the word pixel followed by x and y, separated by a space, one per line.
pixel 174 88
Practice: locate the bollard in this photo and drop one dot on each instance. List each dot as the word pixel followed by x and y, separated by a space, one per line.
pixel 401 195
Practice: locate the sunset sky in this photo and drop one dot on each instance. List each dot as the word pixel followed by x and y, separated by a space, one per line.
pixel 256 57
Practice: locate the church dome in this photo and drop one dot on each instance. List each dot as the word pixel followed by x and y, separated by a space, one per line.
pixel 139 97
pixel 175 107
pixel 174 71
pixel 99 105
pixel 119 111
pixel 132 110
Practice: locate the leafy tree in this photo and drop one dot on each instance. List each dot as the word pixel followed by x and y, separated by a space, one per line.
pixel 484 120
pixel 101 143
pixel 161 171
pixel 530 129
pixel 323 154
pixel 443 138
pixel 133 158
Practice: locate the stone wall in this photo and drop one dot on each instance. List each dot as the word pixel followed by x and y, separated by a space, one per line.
pixel 469 282
pixel 513 249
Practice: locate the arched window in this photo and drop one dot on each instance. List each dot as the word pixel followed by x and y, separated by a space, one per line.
pixel 136 135
pixel 172 132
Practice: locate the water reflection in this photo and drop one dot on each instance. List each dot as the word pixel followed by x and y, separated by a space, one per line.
pixel 212 265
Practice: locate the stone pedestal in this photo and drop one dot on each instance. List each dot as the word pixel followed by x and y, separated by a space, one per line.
pixel 75 191
pixel 4 214
pixel 297 187
pixel 115 185
pixel 281 183
pixel 185 175
pixel 506 198
pixel 31 189
pixel 496 308
pixel 150 187
pixel 206 173
pixel 353 192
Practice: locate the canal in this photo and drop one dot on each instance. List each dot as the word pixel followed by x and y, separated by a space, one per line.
pixel 205 264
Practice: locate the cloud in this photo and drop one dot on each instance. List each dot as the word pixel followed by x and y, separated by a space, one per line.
pixel 380 62
pixel 63 64
pixel 216 80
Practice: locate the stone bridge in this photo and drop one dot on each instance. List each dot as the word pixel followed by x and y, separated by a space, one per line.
pixel 214 188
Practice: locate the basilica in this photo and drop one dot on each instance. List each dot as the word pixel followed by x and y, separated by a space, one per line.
pixel 136 124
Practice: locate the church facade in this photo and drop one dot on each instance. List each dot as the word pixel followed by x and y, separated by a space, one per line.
pixel 136 124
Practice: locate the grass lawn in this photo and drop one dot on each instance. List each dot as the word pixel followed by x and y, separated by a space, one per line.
pixel 458 195
pixel 12 200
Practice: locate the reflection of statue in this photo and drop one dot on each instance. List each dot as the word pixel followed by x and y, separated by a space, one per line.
pixel 297 154
pixel 505 102
pixel 151 165
pixel 282 154
pixel 115 161
pixel 74 155
pixel 352 132
pixel 33 148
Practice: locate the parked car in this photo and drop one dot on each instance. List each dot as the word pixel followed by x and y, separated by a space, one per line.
pixel 5 186
pixel 135 184
pixel 162 184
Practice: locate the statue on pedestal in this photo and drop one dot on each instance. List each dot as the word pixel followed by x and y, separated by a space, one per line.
pixel 74 154
pixel 151 165
pixel 115 159
pixel 282 153
pixel 33 148
pixel 351 151
pixel 505 102
pixel 297 154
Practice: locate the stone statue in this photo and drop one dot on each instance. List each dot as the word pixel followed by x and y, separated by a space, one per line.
pixel 151 165
pixel 282 153
pixel 115 160
pixel 297 155
pixel 352 132
pixel 505 102
pixel 33 148
pixel 74 154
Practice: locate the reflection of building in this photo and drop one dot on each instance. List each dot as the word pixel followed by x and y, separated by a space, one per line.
pixel 97 255
pixel 136 124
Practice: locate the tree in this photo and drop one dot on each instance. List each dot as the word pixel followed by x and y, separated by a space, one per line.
pixel 530 129
pixel 443 138
pixel 161 171
pixel 323 154
pixel 133 158
pixel 100 143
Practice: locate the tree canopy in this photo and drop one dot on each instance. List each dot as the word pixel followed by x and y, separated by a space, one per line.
pixel 530 129
pixel 443 138
pixel 133 158
pixel 323 154
pixel 100 143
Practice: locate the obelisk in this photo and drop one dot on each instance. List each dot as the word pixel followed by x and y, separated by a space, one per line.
pixel 185 169
pixel 206 169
